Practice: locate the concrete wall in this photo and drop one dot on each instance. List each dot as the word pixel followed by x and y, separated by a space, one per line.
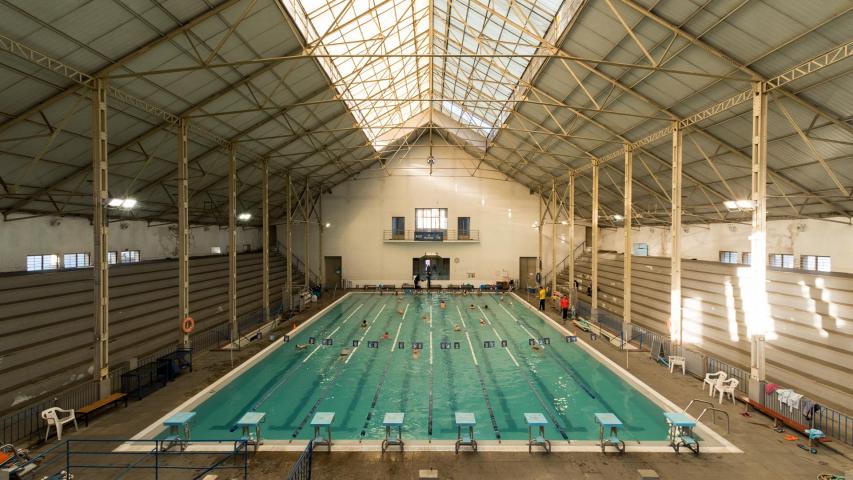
pixel 53 235
pixel 359 211
pixel 797 237
pixel 46 317
pixel 808 349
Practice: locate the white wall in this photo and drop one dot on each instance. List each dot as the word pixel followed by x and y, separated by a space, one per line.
pixel 32 236
pixel 360 210
pixel 819 237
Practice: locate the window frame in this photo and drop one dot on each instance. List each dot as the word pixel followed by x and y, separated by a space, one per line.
pixel 41 266
pixel 438 219
pixel 130 254
pixel 729 257
pixel 77 256
pixel 782 260
pixel 816 266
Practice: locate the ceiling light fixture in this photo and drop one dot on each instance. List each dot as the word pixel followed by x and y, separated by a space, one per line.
pixel 739 204
pixel 125 203
pixel 244 216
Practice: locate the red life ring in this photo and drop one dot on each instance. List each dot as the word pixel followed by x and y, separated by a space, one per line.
pixel 188 325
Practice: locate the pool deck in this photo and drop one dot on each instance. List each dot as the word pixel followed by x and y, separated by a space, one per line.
pixel 765 453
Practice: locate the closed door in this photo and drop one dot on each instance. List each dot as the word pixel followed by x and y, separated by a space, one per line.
pixel 333 272
pixel 527 272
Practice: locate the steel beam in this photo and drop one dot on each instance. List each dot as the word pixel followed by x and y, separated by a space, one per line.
pixel 232 242
pixel 594 259
pixel 540 200
pixel 321 266
pixel 288 284
pixel 675 321
pixel 554 236
pixel 183 228
pixel 100 197
pixel 265 234
pixel 626 257
pixel 307 216
pixel 758 313
pixel 571 214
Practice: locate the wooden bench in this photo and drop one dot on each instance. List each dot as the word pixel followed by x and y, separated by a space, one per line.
pixel 86 410
pixel 779 418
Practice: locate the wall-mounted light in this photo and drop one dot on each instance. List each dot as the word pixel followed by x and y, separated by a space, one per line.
pixel 565 222
pixel 245 217
pixel 327 225
pixel 535 224
pixel 739 204
pixel 125 203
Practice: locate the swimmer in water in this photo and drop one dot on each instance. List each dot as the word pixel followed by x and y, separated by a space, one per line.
pixel 457 328
pixel 364 324
pixel 385 337
pixel 485 306
pixel 482 321
pixel 536 347
pixel 472 307
pixel 416 353
pixel 441 304
pixel 301 346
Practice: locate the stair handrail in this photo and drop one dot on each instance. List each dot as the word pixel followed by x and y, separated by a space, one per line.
pixel 562 264
pixel 713 409
pixel 300 265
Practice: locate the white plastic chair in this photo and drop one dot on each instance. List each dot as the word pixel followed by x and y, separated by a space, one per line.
pixel 676 360
pixel 711 380
pixel 727 387
pixel 58 417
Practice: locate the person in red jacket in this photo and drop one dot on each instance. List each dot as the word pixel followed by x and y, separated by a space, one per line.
pixel 564 306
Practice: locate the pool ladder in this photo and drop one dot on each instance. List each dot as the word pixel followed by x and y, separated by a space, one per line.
pixel 712 409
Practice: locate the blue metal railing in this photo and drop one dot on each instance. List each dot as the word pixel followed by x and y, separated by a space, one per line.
pixel 100 458
pixel 301 470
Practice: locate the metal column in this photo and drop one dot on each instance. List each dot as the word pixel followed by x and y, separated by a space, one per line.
pixel 593 312
pixel 307 214
pixel 553 236
pixel 539 228
pixel 758 317
pixel 571 214
pixel 288 284
pixel 626 257
pixel 183 229
pixel 99 225
pixel 265 234
pixel 321 267
pixel 675 325
pixel 232 242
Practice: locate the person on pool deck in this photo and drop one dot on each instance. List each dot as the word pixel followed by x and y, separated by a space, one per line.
pixel 542 298
pixel 417 281
pixel 564 306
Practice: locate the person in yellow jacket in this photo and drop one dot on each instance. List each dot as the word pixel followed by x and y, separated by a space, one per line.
pixel 542 294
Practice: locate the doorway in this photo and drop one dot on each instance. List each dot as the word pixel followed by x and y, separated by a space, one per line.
pixel 333 272
pixel 527 272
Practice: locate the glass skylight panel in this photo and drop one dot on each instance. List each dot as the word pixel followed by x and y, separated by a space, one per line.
pixel 377 53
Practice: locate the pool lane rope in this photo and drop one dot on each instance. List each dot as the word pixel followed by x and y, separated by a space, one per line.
pixel 332 383
pixel 287 376
pixel 533 389
pixel 570 371
pixel 482 384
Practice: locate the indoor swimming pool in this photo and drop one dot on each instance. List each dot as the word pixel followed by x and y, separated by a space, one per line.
pixel 370 354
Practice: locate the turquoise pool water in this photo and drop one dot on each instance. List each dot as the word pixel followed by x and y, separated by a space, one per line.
pixel 497 384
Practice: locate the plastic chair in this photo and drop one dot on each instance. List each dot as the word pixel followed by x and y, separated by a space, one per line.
pixel 727 387
pixel 676 360
pixel 58 417
pixel 711 380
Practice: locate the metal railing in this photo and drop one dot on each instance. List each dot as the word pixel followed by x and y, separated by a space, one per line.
pixel 431 236
pixel 714 412
pixel 103 458
pixel 301 470
pixel 826 419
pixel 299 265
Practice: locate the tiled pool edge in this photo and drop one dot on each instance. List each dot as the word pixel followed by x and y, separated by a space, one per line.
pixel 150 431
pixel 638 384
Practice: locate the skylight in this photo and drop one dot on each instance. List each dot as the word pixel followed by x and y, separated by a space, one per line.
pixel 380 53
